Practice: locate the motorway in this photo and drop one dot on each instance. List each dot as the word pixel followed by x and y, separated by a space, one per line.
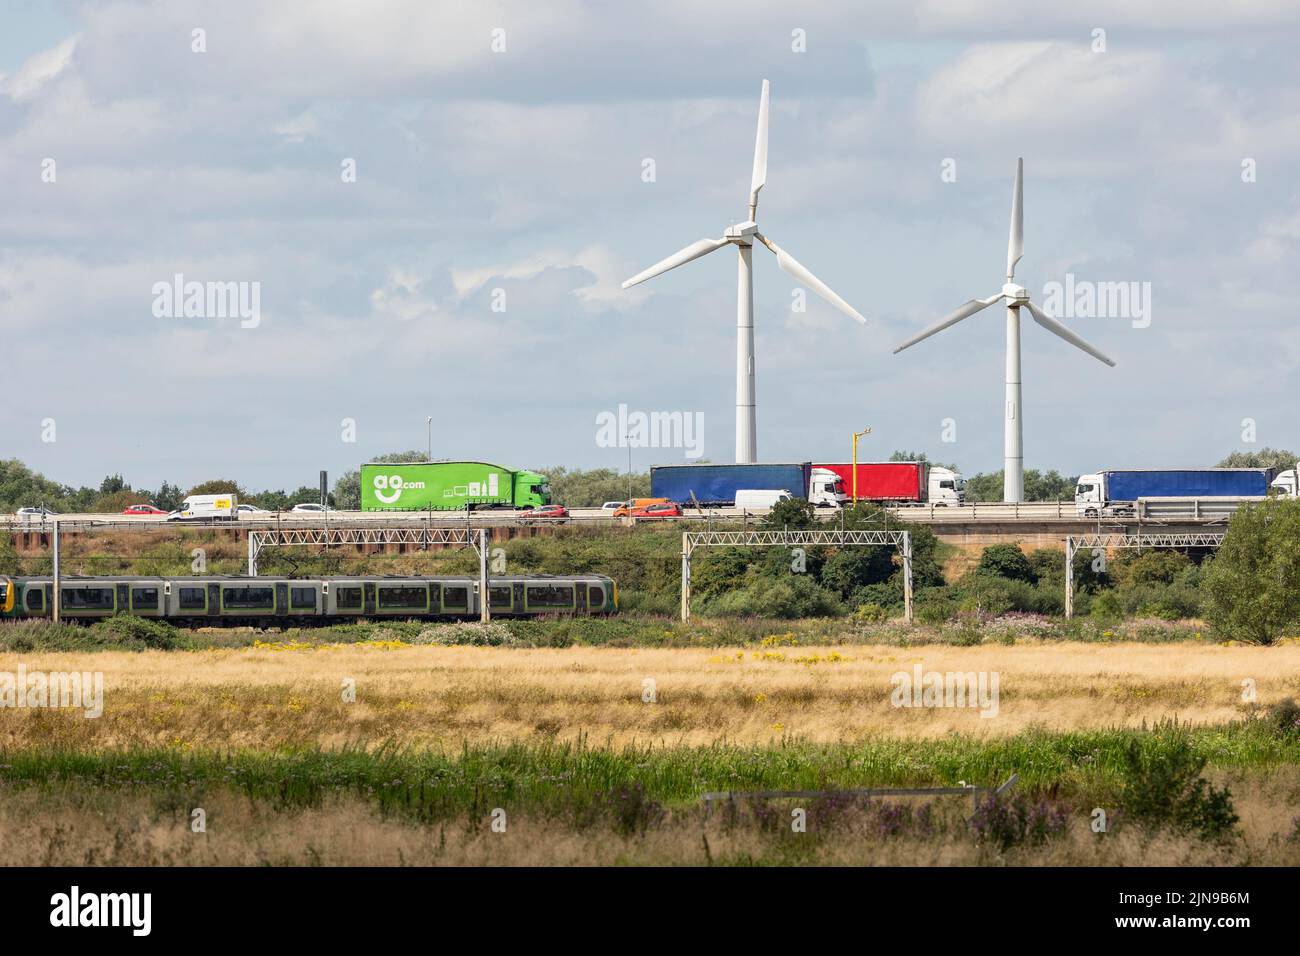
pixel 1061 513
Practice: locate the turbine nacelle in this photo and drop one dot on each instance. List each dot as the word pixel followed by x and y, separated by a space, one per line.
pixel 1015 295
pixel 742 232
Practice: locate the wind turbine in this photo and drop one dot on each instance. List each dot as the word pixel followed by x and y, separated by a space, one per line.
pixel 1013 480
pixel 742 236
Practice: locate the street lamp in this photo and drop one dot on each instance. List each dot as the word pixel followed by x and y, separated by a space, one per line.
pixel 430 457
pixel 856 436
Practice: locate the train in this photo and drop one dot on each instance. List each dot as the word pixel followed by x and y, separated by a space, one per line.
pixel 270 601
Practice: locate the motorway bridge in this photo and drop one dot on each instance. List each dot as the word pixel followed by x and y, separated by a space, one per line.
pixel 968 527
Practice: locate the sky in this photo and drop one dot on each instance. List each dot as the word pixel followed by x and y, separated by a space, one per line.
pixel 435 204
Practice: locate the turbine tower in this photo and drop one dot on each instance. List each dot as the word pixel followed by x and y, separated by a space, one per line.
pixel 743 236
pixel 1013 473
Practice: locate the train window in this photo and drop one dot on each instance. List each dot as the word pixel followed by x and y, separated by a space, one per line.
pixel 348 597
pixel 550 595
pixel 87 599
pixel 455 599
pixel 35 599
pixel 500 597
pixel 404 596
pixel 302 599
pixel 595 595
pixel 144 599
pixel 248 598
pixel 193 599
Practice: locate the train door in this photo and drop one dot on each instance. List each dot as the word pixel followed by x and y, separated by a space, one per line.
pixel 281 599
pixel 370 598
pixel 123 599
pixel 214 600
pixel 580 596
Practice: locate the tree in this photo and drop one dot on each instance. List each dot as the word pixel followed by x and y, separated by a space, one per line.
pixel 307 494
pixel 217 486
pixel 1039 486
pixel 795 514
pixel 590 489
pixel 21 487
pixel 168 497
pixel 347 490
pixel 1252 587
pixel 984 487
pixel 400 458
pixel 117 501
pixel 1278 458
pixel 272 500
pixel 112 484
pixel 1006 561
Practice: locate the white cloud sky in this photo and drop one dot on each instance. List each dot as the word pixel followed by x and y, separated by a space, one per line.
pixel 521 171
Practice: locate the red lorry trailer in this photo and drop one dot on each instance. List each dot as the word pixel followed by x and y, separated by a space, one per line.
pixel 901 481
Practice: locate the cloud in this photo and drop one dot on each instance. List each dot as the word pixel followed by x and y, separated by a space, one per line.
pixel 37 71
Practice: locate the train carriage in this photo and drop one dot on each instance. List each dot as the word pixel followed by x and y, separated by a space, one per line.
pixel 281 601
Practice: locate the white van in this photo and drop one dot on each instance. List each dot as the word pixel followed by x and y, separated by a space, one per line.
pixel 202 507
pixel 754 500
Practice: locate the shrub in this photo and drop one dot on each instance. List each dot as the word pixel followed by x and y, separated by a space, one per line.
pixel 1009 821
pixel 1284 716
pixel 1163 787
pixel 138 633
pixel 1252 587
pixel 870 614
pixel 1006 561
pixel 790 597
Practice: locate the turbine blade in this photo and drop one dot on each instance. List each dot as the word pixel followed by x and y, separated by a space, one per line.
pixel 1056 328
pixel 792 266
pixel 696 249
pixel 952 318
pixel 1016 243
pixel 759 179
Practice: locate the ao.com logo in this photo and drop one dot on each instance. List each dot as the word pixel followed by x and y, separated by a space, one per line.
pixel 388 488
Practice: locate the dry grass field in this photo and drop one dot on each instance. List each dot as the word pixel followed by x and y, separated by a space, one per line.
pixel 126 829
pixel 278 696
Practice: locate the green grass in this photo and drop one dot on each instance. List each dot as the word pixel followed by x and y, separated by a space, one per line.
pixel 557 778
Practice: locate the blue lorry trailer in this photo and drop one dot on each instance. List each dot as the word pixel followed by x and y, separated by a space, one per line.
pixel 716 485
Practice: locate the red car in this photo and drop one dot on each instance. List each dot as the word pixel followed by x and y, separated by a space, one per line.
pixel 545 512
pixel 142 510
pixel 657 511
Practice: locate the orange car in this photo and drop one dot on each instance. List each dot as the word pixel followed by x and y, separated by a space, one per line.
pixel 665 510
pixel 638 503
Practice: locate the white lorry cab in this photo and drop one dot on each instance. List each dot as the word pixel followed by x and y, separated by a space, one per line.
pixel 825 489
pixel 945 487
pixel 206 507
pixel 1285 485
pixel 754 499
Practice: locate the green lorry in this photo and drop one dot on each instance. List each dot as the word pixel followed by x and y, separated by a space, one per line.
pixel 449 485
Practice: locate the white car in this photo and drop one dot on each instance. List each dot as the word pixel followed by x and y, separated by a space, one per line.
pixel 612 506
pixel 250 510
pixel 310 507
pixel 35 514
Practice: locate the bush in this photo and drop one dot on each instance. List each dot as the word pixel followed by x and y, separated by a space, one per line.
pixel 1006 561
pixel 1284 716
pixel 1009 821
pixel 138 633
pixel 790 597
pixel 1163 787
pixel 870 614
pixel 1252 587
pixel 471 634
